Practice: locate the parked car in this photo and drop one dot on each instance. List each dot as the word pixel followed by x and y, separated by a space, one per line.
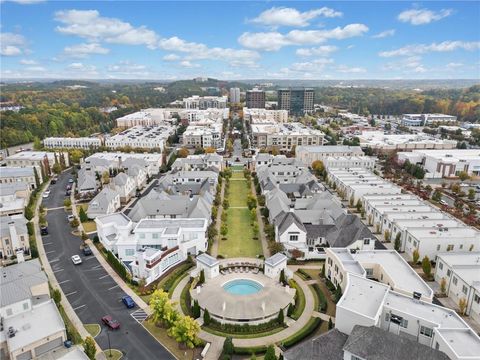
pixel 128 301
pixel 70 181
pixel 53 181
pixel 110 322
pixel 87 251
pixel 43 230
pixel 46 193
pixel 69 187
pixel 443 202
pixel 70 217
pixel 76 260
pixel 68 192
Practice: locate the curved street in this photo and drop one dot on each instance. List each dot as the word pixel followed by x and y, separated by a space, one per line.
pixel 89 288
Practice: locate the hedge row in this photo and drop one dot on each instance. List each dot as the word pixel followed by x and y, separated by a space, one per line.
pixel 322 300
pixel 233 329
pixel 250 350
pixel 186 299
pixel 308 329
pixel 176 275
pixel 304 275
pixel 299 300
pixel 117 265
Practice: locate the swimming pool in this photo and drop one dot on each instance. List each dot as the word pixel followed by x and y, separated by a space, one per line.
pixel 242 287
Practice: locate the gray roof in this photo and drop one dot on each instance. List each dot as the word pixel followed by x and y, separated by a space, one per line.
pixel 285 220
pixel 12 188
pixel 328 346
pixel 100 203
pixel 121 179
pixel 20 225
pixel 8 171
pixel 330 149
pixel 17 280
pixel 208 260
pixel 275 259
pixel 373 343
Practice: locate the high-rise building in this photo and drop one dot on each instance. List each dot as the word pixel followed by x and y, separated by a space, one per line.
pixel 255 99
pixel 297 101
pixel 235 95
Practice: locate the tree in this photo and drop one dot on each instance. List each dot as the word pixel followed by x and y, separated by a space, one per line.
pixel 210 150
pixel 318 167
pixel 224 230
pixel 330 323
pixel 290 309
pixel 455 188
pixel 253 215
pixel 463 175
pixel 398 242
pixel 228 347
pixel 185 331
pixel 67 202
pixel 89 347
pixel 75 155
pixel 163 310
pixel 57 168
pixel 196 310
pixel 83 215
pixel 322 272
pixel 75 223
pixel 270 354
pixel 105 178
pixel 352 201
pixel 56 296
pixel 281 317
pixel 443 285
pixel 37 178
pixel 437 196
pixel 255 230
pixel 415 256
pixel 386 235
pixel 282 277
pixel 471 194
pixel 427 266
pixel 462 304
pixel 37 144
pixel 206 317
pixel 359 205
pixel 275 247
pixel 201 279
pixel 338 294
pixel 183 153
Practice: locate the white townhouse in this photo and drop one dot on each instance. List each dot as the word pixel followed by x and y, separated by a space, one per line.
pixel 14 198
pixel 26 175
pixel 370 303
pixel 152 246
pixel 461 273
pixel 385 266
pixel 72 143
pixel 14 239
pixel 120 160
pixel 40 159
pixel 426 119
pixel 124 185
pixel 199 162
pixel 139 174
pixel 105 202
pixel 308 154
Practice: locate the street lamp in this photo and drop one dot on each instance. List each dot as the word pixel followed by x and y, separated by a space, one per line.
pixel 109 346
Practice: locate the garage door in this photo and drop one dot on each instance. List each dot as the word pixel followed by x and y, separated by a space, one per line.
pixel 25 356
pixel 39 350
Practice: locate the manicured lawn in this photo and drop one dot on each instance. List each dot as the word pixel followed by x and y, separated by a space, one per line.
pixel 89 226
pixel 240 242
pixel 93 329
pixel 161 336
pixel 237 193
pixel 113 354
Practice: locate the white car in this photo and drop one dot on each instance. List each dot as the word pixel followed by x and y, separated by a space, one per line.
pixel 46 193
pixel 76 260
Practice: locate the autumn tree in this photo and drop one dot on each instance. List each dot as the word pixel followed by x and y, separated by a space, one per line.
pixel 185 331
pixel 183 153
pixel 318 167
pixel 163 310
pixel 89 347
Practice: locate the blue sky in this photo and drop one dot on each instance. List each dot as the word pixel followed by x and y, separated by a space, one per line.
pixel 240 40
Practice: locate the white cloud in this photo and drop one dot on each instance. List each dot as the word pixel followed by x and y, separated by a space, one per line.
pixel 423 16
pixel 90 25
pixel 272 41
pixel 28 62
pixel 171 57
pixel 35 69
pixel 454 65
pixel 350 70
pixel 311 66
pixel 12 44
pixel 324 50
pixel 25 2
pixel 83 50
pixel 445 46
pixel 283 16
pixel 384 34
pixel 188 64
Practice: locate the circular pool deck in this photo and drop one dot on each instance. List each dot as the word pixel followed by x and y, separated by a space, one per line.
pixel 254 308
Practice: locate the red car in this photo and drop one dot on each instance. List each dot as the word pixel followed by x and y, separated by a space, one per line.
pixel 110 322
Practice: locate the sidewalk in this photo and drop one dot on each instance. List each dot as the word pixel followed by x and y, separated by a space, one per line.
pixel 76 322
pixel 261 225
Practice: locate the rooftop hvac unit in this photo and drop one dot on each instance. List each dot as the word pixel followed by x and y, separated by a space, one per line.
pixel 417 295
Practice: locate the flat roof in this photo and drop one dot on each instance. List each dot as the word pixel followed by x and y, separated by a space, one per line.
pixel 433 232
pixel 169 223
pixel 31 326
pixel 8 171
pixel 464 342
pixel 363 296
pixel 117 218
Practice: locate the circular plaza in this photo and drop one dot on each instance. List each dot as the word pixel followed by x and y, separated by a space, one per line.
pixel 241 293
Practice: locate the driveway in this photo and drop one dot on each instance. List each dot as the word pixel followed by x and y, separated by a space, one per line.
pixel 89 289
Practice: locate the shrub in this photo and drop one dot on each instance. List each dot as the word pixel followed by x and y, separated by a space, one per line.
pixel 235 329
pixel 228 347
pixel 281 317
pixel 304 275
pixel 117 265
pixel 308 329
pixel 427 266
pixel 299 300
pixel 206 317
pixel 196 310
pixel 415 256
pixel 250 350
pixel 83 215
pixel 322 300
pixel 270 354
pixel 175 275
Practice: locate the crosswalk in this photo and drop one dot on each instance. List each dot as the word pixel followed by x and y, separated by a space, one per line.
pixel 139 315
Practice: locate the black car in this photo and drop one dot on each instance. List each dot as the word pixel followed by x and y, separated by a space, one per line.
pixel 43 230
pixel 87 251
pixel 68 192
pixel 53 181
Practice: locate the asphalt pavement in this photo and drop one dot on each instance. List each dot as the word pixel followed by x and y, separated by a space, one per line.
pixel 89 289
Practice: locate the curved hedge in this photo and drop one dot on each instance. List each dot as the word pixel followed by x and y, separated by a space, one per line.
pixel 322 300
pixel 308 329
pixel 250 350
pixel 299 300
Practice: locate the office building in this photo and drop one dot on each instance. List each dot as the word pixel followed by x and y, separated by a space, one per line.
pixel 265 116
pixel 255 99
pixel 25 175
pixel 297 101
pixel 146 137
pixel 426 119
pixel 72 143
pixel 205 102
pixel 235 95
pixel 378 140
pixel 284 136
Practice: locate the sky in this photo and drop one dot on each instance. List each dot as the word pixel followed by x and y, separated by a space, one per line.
pixel 159 40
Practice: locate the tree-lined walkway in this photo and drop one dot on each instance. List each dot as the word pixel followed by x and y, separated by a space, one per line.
pixel 239 238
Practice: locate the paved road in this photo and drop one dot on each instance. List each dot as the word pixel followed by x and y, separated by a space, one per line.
pixel 89 289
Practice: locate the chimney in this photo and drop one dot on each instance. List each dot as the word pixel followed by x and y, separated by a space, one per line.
pixel 13 236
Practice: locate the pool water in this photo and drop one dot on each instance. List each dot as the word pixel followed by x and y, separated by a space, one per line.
pixel 242 287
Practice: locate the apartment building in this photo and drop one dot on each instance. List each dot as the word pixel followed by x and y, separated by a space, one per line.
pixel 460 273
pixel 297 101
pixel 152 246
pixel 199 162
pixel 203 136
pixel 147 117
pixel 444 163
pixel 40 159
pixel 285 136
pixel 235 95
pixel 403 142
pixel 385 266
pixel 31 323
pixel 146 137
pixel 14 198
pixel 25 175
pixel 104 161
pixel 105 202
pixel 14 240
pixel 370 303
pixel 426 119
pixel 308 154
pixel 72 143
pixel 205 102
pixel 265 116
pixel 255 99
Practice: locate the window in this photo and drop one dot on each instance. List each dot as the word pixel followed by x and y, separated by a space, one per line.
pixel 440 266
pixel 293 237
pixel 404 323
pixel 141 236
pixel 464 289
pixel 353 357
pixel 438 247
pixel 154 236
pixel 426 331
pixel 461 246
pixel 25 306
pixel 455 280
pixel 369 272
pixel 449 272
pixel 476 298
pixel 450 247
pixel 9 312
pixel 366 241
pixel 129 252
